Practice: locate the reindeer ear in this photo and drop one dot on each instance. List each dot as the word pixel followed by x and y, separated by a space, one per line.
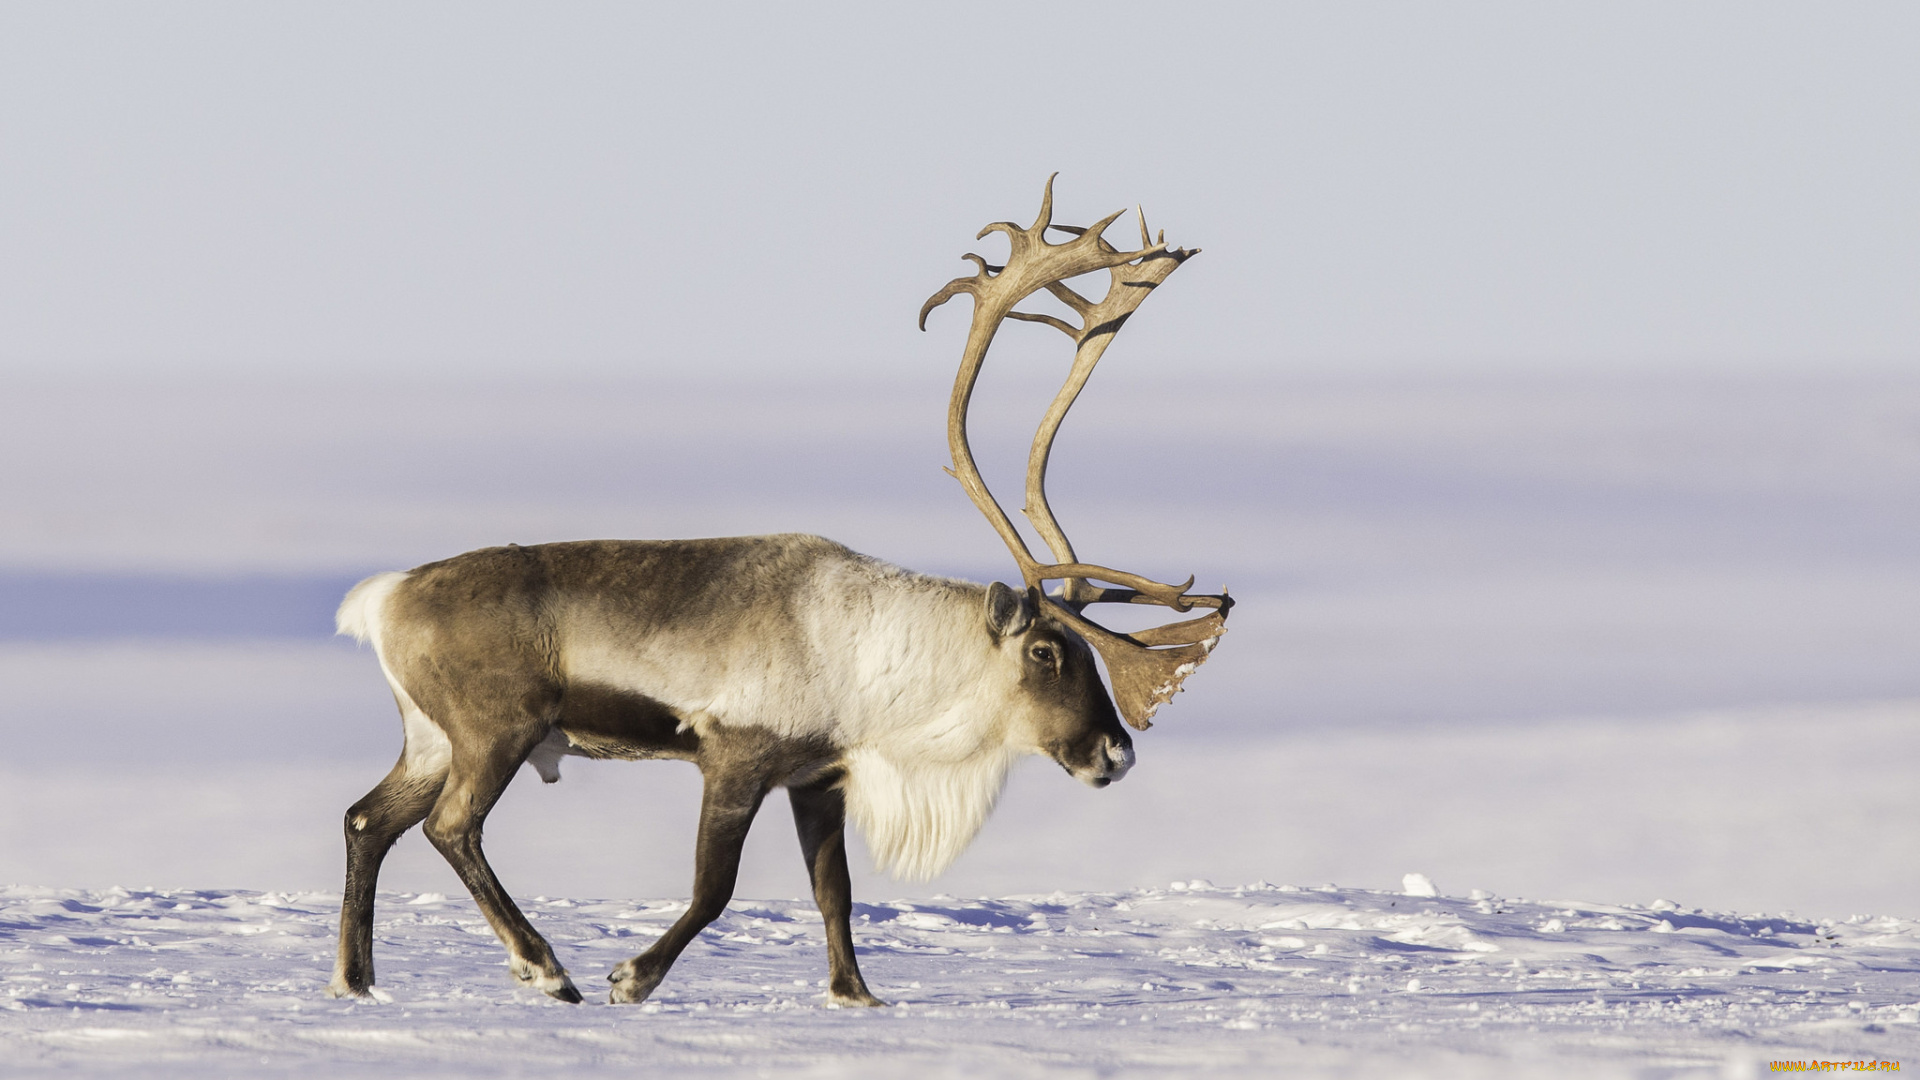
pixel 1008 612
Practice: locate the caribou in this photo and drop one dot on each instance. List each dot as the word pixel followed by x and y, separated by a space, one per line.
pixel 866 691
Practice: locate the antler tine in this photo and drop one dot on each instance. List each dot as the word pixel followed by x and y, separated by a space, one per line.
pixel 1128 288
pixel 1146 669
pixel 1046 203
pixel 1032 264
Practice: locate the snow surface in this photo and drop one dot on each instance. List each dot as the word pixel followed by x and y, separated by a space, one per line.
pixel 1191 979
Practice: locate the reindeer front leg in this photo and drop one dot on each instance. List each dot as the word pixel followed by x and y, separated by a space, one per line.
pixel 820 815
pixel 730 800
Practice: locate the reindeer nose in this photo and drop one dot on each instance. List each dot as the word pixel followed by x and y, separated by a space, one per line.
pixel 1109 761
pixel 1119 759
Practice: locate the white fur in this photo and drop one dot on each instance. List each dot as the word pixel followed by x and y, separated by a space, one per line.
pixel 931 718
pixel 918 816
pixel 361 616
pixel 428 751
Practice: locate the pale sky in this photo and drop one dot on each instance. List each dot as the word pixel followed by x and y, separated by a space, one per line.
pixel 738 192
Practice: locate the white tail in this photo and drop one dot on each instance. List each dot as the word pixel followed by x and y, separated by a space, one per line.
pixel 359 614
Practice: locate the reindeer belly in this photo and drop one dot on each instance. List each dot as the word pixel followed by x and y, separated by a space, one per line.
pixel 606 722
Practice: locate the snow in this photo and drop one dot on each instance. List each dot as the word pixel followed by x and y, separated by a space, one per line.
pixel 1689 824
pixel 1418 885
pixel 1225 981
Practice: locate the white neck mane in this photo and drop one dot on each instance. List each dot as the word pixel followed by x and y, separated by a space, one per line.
pixel 918 816
pixel 925 768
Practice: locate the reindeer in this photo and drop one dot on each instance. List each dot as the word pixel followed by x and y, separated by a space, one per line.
pixel 865 690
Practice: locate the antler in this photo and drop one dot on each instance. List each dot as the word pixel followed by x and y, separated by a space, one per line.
pixel 1146 667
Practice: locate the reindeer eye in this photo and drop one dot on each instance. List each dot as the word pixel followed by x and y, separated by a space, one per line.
pixel 1044 654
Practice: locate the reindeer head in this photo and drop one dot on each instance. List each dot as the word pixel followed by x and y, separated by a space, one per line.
pixel 1147 667
pixel 1054 704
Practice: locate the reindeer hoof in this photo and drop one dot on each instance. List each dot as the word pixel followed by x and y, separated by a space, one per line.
pixel 631 984
pixel 338 988
pixel 560 989
pixel 851 994
pixel 557 986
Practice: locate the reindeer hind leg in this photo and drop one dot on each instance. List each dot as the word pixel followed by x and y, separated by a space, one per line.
pixel 396 804
pixel 480 770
